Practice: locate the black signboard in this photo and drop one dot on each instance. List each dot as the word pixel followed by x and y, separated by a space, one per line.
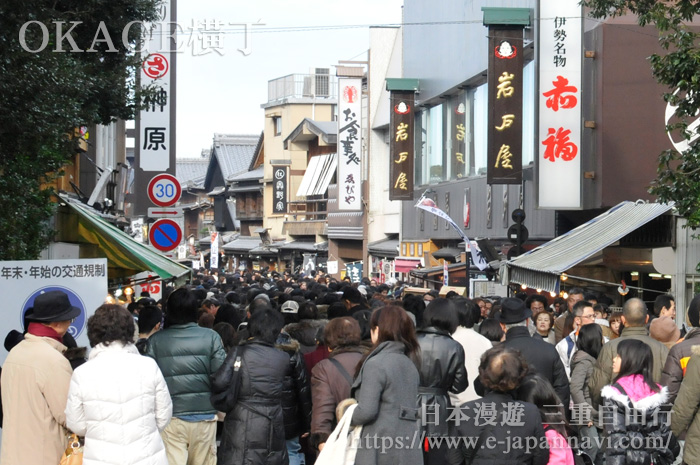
pixel 401 151
pixel 505 87
pixel 279 189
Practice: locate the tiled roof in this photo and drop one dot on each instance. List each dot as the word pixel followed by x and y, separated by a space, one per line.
pixel 234 154
pixel 191 170
pixel 252 175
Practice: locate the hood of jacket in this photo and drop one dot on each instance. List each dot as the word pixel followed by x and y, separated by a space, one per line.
pixel 286 343
pixel 639 394
pixel 305 331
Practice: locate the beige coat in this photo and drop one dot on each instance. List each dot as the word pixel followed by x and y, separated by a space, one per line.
pixel 35 381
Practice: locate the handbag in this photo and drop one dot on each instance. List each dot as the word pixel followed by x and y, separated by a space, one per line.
pixel 74 452
pixel 226 382
pixel 341 446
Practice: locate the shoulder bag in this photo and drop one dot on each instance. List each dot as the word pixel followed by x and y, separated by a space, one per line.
pixel 74 452
pixel 226 382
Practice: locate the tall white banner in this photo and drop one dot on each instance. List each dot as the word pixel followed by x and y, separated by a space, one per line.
pixel 350 144
pixel 560 62
pixel 154 133
pixel 83 280
pixel 214 254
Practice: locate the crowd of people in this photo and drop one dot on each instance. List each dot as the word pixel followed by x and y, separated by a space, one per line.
pixel 254 369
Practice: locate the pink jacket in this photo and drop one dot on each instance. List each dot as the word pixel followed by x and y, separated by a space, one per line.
pixel 559 451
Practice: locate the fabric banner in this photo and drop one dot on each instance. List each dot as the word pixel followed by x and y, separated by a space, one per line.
pixel 214 255
pixel 354 271
pixel 349 144
pixel 309 265
pixel 428 205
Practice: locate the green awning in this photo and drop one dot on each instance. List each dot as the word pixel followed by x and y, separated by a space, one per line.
pixel 125 256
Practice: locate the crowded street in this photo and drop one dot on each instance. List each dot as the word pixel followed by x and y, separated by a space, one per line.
pixel 380 233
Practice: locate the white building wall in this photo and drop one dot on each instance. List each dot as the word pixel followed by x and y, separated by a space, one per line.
pixel 384 62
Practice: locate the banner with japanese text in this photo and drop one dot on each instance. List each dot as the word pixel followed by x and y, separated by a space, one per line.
pixel 350 144
pixel 458 118
pixel 83 280
pixel 214 253
pixel 354 271
pixel 505 87
pixel 401 148
pixel 279 190
pixel 157 70
pixel 560 67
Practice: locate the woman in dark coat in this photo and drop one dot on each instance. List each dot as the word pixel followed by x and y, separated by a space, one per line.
pixel 386 389
pixel 502 440
pixel 254 427
pixel 442 371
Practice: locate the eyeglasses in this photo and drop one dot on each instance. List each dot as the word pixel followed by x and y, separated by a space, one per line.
pixel 589 317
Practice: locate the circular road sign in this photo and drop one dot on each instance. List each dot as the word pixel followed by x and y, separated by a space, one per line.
pixel 164 190
pixel 165 235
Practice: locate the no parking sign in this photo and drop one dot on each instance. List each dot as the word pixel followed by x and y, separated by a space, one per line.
pixel 165 235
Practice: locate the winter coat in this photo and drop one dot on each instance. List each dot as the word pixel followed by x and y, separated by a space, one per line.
pixel 566 348
pixel 386 389
pixel 305 331
pixel 254 429
pixel 328 388
pixel 475 344
pixel 296 390
pixel 35 381
pixel 188 355
pixel 559 326
pixel 441 371
pixel 312 358
pixel 119 402
pixel 602 371
pixel 677 361
pixel 542 357
pixel 685 418
pixel 505 442
pixel 648 427
pixel 581 370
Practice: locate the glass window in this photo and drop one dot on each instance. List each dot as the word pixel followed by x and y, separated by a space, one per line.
pixel 529 113
pixel 435 156
pixel 480 129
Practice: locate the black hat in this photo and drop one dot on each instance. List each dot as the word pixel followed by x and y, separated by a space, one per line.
pixel 513 310
pixel 52 306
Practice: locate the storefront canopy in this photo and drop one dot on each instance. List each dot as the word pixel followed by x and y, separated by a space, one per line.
pixel 125 256
pixel 542 267
pixel 405 264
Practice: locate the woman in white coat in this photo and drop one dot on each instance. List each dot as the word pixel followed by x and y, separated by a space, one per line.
pixel 118 400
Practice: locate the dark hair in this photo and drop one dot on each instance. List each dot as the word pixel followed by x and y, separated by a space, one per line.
pixel 415 305
pixel 467 312
pixel 590 339
pixel 636 359
pixel 111 322
pixel 491 329
pixel 502 369
pixel 307 310
pixel 342 332
pixel 536 298
pixel 352 295
pixel 363 317
pixel 539 391
pixel 576 290
pixel 149 317
pixel 336 310
pixel 206 320
pixel 440 313
pixel 395 325
pixel 550 317
pixel 602 308
pixel 265 324
pixel 227 333
pixel 228 313
pixel 181 307
pixel 590 295
pixel 664 300
pixel 579 306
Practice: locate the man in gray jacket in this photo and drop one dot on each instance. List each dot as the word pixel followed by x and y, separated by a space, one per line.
pixel 634 317
pixel 188 355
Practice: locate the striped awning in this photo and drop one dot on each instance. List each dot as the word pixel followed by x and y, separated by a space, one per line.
pixel 319 173
pixel 125 256
pixel 542 267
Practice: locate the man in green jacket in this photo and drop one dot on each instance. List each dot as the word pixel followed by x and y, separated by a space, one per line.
pixel 634 317
pixel 188 355
pixel 684 417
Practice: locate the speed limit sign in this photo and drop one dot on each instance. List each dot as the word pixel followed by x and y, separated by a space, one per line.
pixel 164 190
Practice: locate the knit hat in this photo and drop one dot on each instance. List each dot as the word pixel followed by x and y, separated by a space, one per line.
pixel 694 312
pixel 664 330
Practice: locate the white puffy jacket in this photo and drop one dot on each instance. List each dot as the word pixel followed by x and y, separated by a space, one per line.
pixel 119 401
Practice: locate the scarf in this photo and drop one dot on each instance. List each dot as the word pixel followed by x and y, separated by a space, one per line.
pixel 37 329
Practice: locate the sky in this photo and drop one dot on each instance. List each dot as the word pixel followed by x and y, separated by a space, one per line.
pixel 222 93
